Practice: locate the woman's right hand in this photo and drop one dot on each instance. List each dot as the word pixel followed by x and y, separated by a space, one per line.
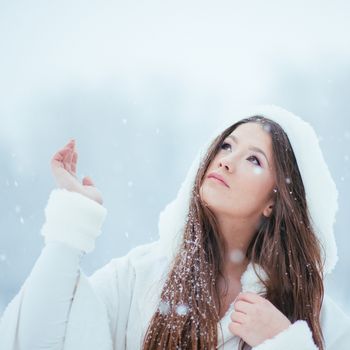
pixel 63 165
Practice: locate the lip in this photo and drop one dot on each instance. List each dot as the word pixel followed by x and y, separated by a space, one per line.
pixel 218 177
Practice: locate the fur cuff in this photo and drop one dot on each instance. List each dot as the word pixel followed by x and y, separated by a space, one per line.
pixel 73 219
pixel 296 336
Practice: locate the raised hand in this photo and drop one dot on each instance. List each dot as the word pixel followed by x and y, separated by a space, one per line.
pixel 64 166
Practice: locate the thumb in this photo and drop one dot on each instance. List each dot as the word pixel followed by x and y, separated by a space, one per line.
pixel 87 181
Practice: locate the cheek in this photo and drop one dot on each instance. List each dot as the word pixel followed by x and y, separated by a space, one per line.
pixel 253 183
pixel 254 191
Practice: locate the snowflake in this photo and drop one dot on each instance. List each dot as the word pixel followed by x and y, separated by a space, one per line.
pixel 164 307
pixel 182 309
pixel 236 256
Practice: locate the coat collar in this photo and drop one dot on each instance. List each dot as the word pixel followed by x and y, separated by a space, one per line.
pixel 250 282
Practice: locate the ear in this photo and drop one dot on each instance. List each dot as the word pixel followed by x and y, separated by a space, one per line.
pixel 268 209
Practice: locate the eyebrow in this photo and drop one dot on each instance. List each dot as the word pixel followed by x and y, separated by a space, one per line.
pixel 253 148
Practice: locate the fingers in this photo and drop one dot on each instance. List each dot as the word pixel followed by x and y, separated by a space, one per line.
pixel 238 317
pixel 87 181
pixel 66 157
pixel 242 306
pixel 249 297
pixel 62 152
pixel 74 162
pixel 235 328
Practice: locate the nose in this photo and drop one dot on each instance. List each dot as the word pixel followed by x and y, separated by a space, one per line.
pixel 227 162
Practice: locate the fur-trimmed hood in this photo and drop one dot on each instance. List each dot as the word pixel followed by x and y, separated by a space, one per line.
pixel 313 169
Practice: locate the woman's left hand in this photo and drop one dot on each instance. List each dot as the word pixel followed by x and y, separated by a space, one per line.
pixel 256 319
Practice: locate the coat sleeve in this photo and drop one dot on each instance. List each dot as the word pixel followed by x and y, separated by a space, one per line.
pixel 113 284
pixel 335 325
pixel 297 336
pixel 39 315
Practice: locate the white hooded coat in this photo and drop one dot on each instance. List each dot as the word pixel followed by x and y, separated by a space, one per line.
pixel 59 307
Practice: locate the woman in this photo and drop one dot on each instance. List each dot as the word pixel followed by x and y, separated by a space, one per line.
pixel 240 262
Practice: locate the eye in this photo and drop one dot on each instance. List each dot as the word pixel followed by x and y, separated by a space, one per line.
pixel 224 144
pixel 256 159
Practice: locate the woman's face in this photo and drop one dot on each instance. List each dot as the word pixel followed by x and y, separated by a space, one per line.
pixel 249 174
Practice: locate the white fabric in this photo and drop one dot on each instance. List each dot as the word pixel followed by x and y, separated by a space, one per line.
pixel 299 333
pixel 82 237
pixel 59 307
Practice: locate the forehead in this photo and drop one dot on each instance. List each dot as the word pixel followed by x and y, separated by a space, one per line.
pixel 254 134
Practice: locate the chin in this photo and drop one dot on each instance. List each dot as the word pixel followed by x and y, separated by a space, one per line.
pixel 211 195
pixel 215 205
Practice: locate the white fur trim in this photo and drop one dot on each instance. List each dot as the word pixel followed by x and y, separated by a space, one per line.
pixel 73 219
pixel 296 336
pixel 250 281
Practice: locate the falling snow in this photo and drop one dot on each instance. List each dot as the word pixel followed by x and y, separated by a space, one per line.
pixel 164 307
pixel 267 127
pixel 182 309
pixel 236 256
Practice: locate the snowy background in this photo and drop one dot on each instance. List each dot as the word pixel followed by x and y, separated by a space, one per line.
pixel 140 85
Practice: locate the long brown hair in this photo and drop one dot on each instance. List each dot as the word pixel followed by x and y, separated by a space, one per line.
pixel 285 246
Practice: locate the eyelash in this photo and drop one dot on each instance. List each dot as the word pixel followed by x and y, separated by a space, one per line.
pixel 225 143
